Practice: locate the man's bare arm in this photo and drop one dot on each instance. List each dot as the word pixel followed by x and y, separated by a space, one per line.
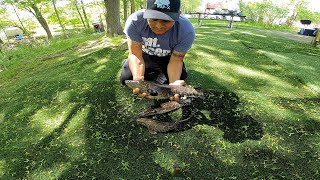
pixel 175 66
pixel 135 60
pixel 178 54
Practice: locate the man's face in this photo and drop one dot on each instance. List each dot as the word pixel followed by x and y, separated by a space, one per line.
pixel 159 26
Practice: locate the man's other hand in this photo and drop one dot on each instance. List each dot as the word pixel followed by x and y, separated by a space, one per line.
pixel 176 83
pixel 138 92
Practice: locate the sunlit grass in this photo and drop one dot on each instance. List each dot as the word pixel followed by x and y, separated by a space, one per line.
pixel 68 117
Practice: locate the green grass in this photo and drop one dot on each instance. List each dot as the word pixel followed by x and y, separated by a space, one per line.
pixel 68 117
pixel 249 24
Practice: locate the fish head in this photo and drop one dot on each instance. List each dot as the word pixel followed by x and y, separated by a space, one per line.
pixel 133 83
pixel 148 87
pixel 142 85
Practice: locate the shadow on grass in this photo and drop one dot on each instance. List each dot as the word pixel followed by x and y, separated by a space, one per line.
pixel 27 157
pixel 114 147
pixel 259 40
pixel 222 105
pixel 45 153
pixel 294 158
pixel 18 149
pixel 261 61
pixel 276 44
pixel 198 149
pixel 252 72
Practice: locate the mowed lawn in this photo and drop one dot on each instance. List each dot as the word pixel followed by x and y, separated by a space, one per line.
pixel 65 115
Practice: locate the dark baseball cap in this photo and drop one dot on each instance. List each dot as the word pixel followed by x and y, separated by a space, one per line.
pixel 163 9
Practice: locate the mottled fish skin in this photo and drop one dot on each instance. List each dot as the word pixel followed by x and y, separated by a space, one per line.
pixel 154 111
pixel 155 126
pixel 158 91
pixel 185 91
pixel 164 108
pixel 161 91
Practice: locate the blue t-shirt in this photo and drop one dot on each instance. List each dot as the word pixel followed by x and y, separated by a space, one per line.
pixel 179 38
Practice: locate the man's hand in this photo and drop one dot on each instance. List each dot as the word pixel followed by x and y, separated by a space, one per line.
pixel 137 91
pixel 176 97
pixel 176 83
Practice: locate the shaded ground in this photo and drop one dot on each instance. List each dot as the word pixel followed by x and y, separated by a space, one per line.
pixel 69 117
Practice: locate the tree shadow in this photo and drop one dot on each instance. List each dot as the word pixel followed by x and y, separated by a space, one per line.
pixel 253 81
pixel 261 40
pixel 115 147
pixel 219 108
pixel 90 87
pixel 19 150
pixel 44 154
pixel 202 159
pixel 222 106
pixel 23 153
pixel 238 44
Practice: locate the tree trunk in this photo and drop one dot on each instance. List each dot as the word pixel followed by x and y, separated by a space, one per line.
pixel 36 12
pixel 56 11
pixel 262 11
pixel 85 14
pixel 113 17
pixel 292 18
pixel 133 6
pixel 76 4
pixel 125 9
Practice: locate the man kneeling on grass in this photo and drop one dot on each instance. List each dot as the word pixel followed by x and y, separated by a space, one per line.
pixel 158 39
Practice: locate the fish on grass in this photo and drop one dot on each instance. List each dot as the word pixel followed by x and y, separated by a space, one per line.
pixel 155 126
pixel 165 108
pixel 162 91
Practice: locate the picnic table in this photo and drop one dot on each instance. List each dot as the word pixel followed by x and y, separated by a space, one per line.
pixel 231 14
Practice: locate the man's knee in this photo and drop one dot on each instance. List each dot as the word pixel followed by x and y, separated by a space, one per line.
pixel 125 72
